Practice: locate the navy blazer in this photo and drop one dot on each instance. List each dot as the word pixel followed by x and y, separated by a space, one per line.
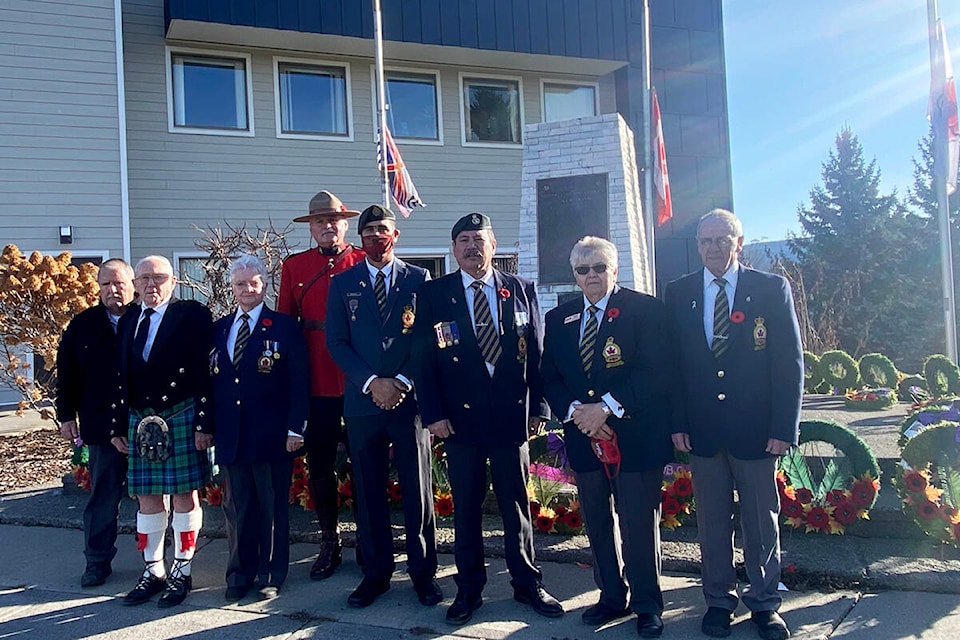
pixel 256 403
pixel 631 363
pixel 360 342
pixel 753 392
pixel 177 369
pixel 453 382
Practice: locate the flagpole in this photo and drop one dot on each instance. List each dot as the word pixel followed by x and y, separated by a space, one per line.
pixel 381 104
pixel 649 218
pixel 940 187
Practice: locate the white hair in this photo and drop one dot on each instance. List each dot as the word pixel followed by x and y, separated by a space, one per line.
pixel 161 259
pixel 121 264
pixel 592 246
pixel 248 262
pixel 724 216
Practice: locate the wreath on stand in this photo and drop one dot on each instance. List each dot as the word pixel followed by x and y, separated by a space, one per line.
pixel 828 482
pixel 812 372
pixel 928 481
pixel 839 371
pixel 913 388
pixel 942 375
pixel 877 370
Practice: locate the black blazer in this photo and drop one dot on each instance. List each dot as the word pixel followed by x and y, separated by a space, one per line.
pixel 88 368
pixel 632 362
pixel 178 368
pixel 754 391
pixel 453 382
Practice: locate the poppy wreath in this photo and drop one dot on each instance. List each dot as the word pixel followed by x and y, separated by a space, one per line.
pixel 877 370
pixel 926 414
pixel 80 465
pixel 870 399
pixel 839 371
pixel 928 481
pixel 843 494
pixel 812 372
pixel 676 495
pixel 913 388
pixel 942 376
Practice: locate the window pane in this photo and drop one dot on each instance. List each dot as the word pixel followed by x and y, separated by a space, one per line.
pixel 413 105
pixel 434 265
pixel 191 277
pixel 209 93
pixel 565 101
pixel 492 110
pixel 313 100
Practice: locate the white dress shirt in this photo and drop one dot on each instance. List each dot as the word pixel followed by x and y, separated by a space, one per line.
pixel 235 327
pixel 490 290
pixel 155 319
pixel 710 290
pixel 601 306
pixel 388 280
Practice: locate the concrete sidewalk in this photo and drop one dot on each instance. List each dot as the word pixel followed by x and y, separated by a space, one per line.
pixel 41 598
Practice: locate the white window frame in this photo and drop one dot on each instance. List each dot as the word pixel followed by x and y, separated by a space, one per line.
pixel 449 264
pixel 568 82
pixel 177 257
pixel 210 53
pixel 439 98
pixel 83 254
pixel 463 129
pixel 312 62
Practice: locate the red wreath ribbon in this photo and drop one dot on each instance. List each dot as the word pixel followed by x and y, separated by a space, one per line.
pixel 504 293
pixel 613 312
pixel 737 317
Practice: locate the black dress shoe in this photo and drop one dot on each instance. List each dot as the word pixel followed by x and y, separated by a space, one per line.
pixel 178 586
pixel 539 600
pixel 329 558
pixel 649 625
pixel 268 592
pixel 428 591
pixel 600 614
pixel 95 575
pixel 367 592
pixel 716 622
pixel 235 594
pixel 148 586
pixel 770 625
pixel 463 607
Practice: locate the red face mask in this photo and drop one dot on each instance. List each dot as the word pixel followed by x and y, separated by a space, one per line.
pixel 377 246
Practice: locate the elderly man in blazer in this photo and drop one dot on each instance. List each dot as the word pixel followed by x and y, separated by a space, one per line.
pixel 740 376
pixel 261 393
pixel 604 365
pixel 370 317
pixel 88 361
pixel 478 340
pixel 165 383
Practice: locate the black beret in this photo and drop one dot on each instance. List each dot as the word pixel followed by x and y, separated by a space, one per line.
pixel 470 222
pixel 374 213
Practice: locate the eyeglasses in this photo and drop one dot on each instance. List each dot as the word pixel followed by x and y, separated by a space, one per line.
pixel 153 278
pixel 585 269
pixel 721 242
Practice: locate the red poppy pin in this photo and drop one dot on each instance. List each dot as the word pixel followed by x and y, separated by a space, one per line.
pixel 267 322
pixel 737 317
pixel 504 293
pixel 613 312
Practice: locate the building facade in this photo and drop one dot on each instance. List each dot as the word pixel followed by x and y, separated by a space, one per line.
pixel 135 121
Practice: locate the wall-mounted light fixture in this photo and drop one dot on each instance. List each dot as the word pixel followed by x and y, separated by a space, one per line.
pixel 66 234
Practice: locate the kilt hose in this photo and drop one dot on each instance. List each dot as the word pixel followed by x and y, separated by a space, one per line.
pixel 185 470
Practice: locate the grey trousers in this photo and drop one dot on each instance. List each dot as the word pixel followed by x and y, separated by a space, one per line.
pixel 714 480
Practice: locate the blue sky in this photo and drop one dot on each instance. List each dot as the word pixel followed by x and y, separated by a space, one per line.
pixel 799 71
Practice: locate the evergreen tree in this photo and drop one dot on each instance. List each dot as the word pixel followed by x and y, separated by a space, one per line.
pixel 857 258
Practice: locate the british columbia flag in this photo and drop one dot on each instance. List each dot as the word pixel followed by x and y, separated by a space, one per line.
pixel 402 189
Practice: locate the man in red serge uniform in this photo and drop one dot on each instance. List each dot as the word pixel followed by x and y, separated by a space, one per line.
pixel 304 284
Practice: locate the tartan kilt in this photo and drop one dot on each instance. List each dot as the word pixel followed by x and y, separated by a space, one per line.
pixel 185 470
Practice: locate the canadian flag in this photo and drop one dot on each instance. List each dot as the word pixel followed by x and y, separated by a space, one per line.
pixel 661 180
pixel 942 107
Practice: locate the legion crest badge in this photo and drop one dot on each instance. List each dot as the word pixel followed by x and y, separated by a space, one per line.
pixel 759 335
pixel 522 349
pixel 407 318
pixel 612 354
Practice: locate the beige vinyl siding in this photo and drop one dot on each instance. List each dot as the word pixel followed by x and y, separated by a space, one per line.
pixel 59 138
pixel 181 179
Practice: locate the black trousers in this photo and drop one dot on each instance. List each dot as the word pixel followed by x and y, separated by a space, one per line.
pixel 256 509
pixel 509 471
pixel 324 434
pixel 370 439
pixel 634 497
pixel 108 473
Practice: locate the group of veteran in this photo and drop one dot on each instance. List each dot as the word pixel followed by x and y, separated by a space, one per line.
pixel 364 339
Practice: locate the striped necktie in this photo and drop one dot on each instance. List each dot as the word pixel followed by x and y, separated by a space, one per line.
pixel 487 336
pixel 588 343
pixel 243 335
pixel 721 319
pixel 380 290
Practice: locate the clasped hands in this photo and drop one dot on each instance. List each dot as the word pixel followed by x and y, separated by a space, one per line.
pixel 387 393
pixel 592 421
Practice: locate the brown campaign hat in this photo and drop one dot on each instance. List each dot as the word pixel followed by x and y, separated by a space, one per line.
pixel 326 204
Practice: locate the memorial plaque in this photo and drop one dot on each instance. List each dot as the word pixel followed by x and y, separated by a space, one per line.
pixel 568 208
